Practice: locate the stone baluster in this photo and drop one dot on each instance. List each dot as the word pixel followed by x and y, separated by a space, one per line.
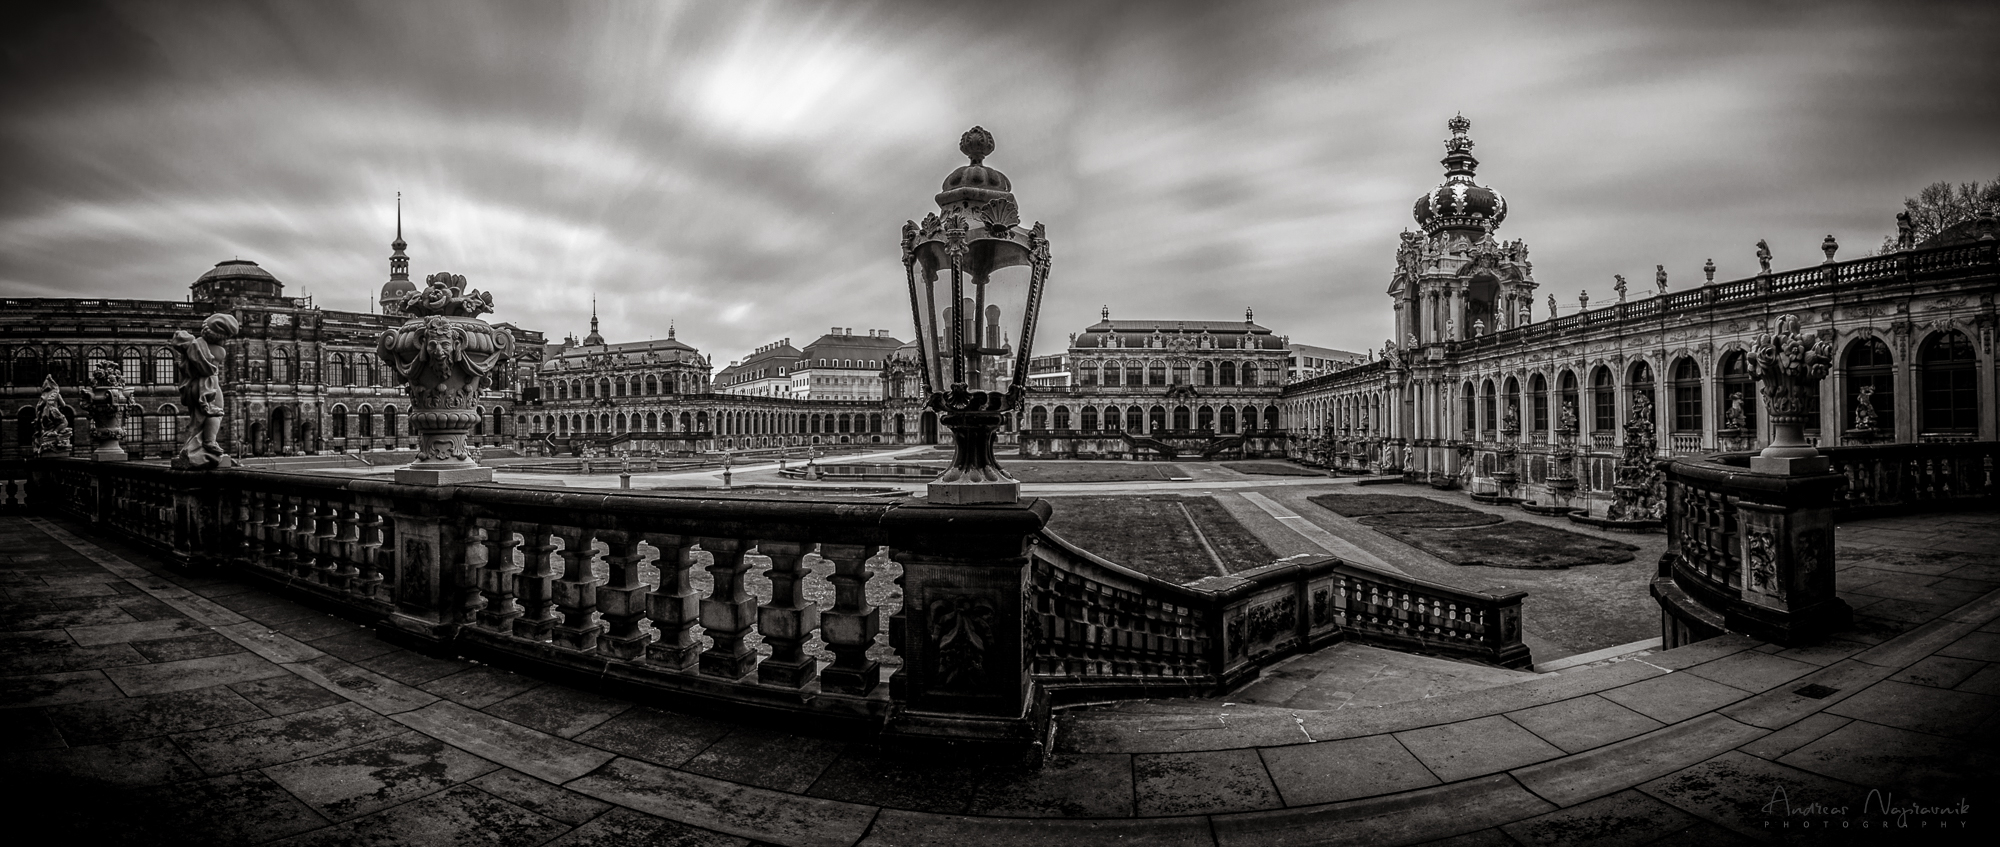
pixel 535 586
pixel 728 612
pixel 347 543
pixel 370 541
pixel 496 576
pixel 789 619
pixel 283 520
pixel 576 592
pixel 673 606
pixel 326 557
pixel 622 600
pixel 249 523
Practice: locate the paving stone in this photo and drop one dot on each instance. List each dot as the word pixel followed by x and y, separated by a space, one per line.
pixel 119 633
pixel 1986 681
pixel 480 686
pixel 768 759
pixel 727 807
pixel 1752 671
pixel 322 625
pixel 1754 797
pixel 1704 834
pixel 540 797
pixel 1949 713
pixel 1701 651
pixel 369 777
pixel 558 710
pixel 1939 671
pixel 58 688
pixel 65 588
pixel 262 743
pixel 353 646
pixel 412 668
pixel 1200 783
pixel 1625 818
pixel 285 695
pixel 156 714
pixel 627 828
pixel 191 647
pixel 1438 812
pixel 368 688
pixel 65 658
pixel 526 750
pixel 151 608
pixel 458 815
pixel 27 729
pixel 1912 765
pixel 1067 785
pixel 66 619
pixel 1982 646
pixel 653 735
pixel 246 808
pixel 1675 697
pixel 1780 707
pixel 187 674
pixel 1481 838
pixel 1583 723
pixel 901 828
pixel 1305 774
pixel 130 764
pixel 1825 652
pixel 33 641
pixel 1623 764
pixel 274 646
pixel 1795 736
pixel 873 778
pixel 1476 747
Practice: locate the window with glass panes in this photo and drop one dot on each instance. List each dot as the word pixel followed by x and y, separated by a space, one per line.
pixel 1687 396
pixel 1870 366
pixel 1603 402
pixel 1539 402
pixel 1950 384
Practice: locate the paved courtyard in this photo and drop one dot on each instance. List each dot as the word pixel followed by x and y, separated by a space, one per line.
pixel 142 706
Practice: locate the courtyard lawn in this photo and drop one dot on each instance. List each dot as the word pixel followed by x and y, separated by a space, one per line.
pixel 1513 544
pixel 1028 471
pixel 1153 534
pixel 1271 469
pixel 1362 505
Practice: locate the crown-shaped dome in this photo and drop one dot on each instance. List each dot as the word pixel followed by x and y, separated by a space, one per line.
pixel 1460 203
pixel 975 184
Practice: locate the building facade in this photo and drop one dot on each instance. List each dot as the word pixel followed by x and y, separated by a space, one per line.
pixel 1474 389
pixel 297 379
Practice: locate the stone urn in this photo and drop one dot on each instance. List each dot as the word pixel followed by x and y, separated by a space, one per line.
pixel 1787 364
pixel 109 401
pixel 441 358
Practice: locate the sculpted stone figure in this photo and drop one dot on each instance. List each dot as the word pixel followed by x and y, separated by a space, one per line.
pixel 52 420
pixel 200 358
pixel 1552 305
pixel 1906 232
pixel 1864 409
pixel 1450 329
pixel 109 400
pixel 1660 277
pixel 1583 300
pixel 1735 417
pixel 1619 287
pixel 1763 257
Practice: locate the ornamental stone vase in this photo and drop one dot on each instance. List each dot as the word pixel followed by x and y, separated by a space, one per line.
pixel 1788 363
pixel 109 400
pixel 441 358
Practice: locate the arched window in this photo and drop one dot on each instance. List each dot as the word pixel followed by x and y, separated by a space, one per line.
pixel 28 372
pixel 1038 418
pixel 1181 417
pixel 339 421
pixel 1156 374
pixel 1062 417
pixel 652 422
pixel 1228 375
pixel 652 385
pixel 499 416
pixel 1270 417
pixel 1135 419
pixel 1156 419
pixel 1249 373
pixel 1687 396
pixel 1950 384
pixel 1738 386
pixel 1538 403
pixel 621 423
pixel 160 370
pixel 590 423
pixel 1228 420
pixel 1603 401
pixel 281 365
pixel 1089 418
pixel 1871 373
pixel 479 420
pixel 1112 373
pixel 166 423
pixel 59 367
pixel 132 367
pixel 337 372
pixel 389 421
pixel 1491 408
pixel 1249 418
pixel 621 386
pixel 1204 418
pixel 367 417
pixel 1207 373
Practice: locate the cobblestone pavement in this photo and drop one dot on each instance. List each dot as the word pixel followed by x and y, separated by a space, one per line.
pixel 143 706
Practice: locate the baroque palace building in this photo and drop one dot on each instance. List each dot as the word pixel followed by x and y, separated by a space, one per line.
pixel 1474 389
pixel 298 379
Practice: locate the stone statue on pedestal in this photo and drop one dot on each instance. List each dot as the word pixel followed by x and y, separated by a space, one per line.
pixel 1906 232
pixel 1735 417
pixel 1660 277
pixel 200 358
pixel 1763 257
pixel 1619 287
pixel 52 420
pixel 1864 409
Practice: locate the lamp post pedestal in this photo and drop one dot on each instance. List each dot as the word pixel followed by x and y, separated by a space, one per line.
pixel 974 476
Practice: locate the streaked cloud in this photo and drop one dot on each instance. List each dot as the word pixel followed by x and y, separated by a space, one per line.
pixel 742 169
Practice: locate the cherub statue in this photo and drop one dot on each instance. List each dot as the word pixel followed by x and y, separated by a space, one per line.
pixel 201 359
pixel 1735 417
pixel 1864 408
pixel 1450 329
pixel 1583 300
pixel 52 420
pixel 1906 232
pixel 1620 287
pixel 1763 256
pixel 1660 277
pixel 1478 327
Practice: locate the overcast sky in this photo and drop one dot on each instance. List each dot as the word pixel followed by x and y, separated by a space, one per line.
pixel 742 169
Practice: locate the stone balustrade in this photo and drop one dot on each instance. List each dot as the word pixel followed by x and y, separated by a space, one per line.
pixel 782 607
pixel 1754 553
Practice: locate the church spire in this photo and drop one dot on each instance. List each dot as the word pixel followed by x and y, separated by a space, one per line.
pixel 593 339
pixel 399 268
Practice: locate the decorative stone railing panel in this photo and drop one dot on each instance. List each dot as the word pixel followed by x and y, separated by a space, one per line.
pixel 1886 478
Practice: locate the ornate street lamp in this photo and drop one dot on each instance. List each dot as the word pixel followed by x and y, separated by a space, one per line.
pixel 975 278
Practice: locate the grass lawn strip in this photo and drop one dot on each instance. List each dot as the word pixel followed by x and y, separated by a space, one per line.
pixel 1513 544
pixel 1437 520
pixel 1153 534
pixel 1271 469
pixel 1090 471
pixel 1361 505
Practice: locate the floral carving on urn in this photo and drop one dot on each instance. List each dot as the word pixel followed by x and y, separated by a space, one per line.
pixel 1788 363
pixel 441 358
